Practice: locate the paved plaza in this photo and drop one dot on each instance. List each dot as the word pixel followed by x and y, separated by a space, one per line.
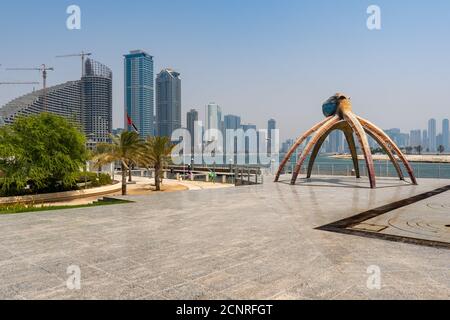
pixel 253 242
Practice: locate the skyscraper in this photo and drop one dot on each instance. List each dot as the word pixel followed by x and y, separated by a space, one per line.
pixel 96 113
pixel 191 119
pixel 415 138
pixel 425 139
pixel 213 118
pixel 445 135
pixel 139 93
pixel 271 125
pixel 232 122
pixel 432 135
pixel 168 102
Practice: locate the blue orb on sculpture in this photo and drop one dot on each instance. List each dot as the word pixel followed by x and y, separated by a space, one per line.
pixel 329 108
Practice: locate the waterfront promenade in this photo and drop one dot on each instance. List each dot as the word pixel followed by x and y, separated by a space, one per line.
pixel 424 158
pixel 251 242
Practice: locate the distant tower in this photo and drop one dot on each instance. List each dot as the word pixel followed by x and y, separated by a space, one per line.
pixel 139 93
pixel 445 135
pixel 191 119
pixel 425 139
pixel 432 135
pixel 213 117
pixel 415 138
pixel 168 102
pixel 271 125
pixel 336 142
pixel 232 122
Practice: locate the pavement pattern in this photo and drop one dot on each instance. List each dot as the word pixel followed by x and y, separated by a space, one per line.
pixel 252 242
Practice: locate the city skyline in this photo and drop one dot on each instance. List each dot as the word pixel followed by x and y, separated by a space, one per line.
pixel 379 74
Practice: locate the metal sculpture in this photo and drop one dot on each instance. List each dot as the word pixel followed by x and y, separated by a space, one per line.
pixel 339 116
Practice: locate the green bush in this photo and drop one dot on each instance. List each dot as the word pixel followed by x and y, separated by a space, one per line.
pixel 93 179
pixel 105 179
pixel 39 154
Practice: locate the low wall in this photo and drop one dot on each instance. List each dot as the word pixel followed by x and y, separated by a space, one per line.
pixel 62 196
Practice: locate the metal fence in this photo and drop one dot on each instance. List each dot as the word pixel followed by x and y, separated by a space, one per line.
pixel 382 169
pixel 237 175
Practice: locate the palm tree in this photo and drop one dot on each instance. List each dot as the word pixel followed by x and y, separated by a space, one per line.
pixel 126 148
pixel 157 152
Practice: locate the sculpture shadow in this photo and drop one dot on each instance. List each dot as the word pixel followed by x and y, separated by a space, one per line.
pixel 339 183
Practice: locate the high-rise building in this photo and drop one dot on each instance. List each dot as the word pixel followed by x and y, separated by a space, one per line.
pixel 425 139
pixel 97 101
pixel 401 139
pixel 336 142
pixel 87 102
pixel 168 102
pixel 213 116
pixel 439 141
pixel 63 100
pixel 251 146
pixel 191 119
pixel 445 135
pixel 232 122
pixel 139 93
pixel 271 126
pixel 432 135
pixel 415 139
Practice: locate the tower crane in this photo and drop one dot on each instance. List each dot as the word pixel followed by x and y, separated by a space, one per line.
pixel 43 69
pixel 14 83
pixel 83 56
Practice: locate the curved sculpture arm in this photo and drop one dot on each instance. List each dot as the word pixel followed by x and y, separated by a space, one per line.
pixel 392 144
pixel 364 143
pixel 388 151
pixel 338 126
pixel 329 124
pixel 299 141
pixel 348 132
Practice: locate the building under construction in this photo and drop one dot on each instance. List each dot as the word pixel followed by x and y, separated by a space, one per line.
pixel 86 102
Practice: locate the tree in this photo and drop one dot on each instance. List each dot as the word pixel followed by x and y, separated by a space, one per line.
pixel 126 148
pixel 441 149
pixel 44 152
pixel 418 149
pixel 157 152
pixel 408 149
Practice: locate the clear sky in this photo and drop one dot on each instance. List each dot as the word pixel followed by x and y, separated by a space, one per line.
pixel 256 58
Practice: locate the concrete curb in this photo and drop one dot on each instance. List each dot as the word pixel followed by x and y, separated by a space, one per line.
pixel 62 196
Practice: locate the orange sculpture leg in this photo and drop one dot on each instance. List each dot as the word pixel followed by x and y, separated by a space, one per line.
pixel 364 143
pixel 299 141
pixel 391 143
pixel 311 144
pixel 388 151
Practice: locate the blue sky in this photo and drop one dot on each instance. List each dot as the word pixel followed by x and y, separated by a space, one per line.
pixel 256 58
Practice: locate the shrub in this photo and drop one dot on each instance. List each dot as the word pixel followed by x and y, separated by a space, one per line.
pixel 39 154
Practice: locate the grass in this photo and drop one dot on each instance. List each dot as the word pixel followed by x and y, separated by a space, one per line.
pixel 22 208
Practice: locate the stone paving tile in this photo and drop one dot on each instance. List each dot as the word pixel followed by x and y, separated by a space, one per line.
pixel 252 289
pixel 162 282
pixel 219 281
pixel 192 291
pixel 197 245
pixel 103 288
